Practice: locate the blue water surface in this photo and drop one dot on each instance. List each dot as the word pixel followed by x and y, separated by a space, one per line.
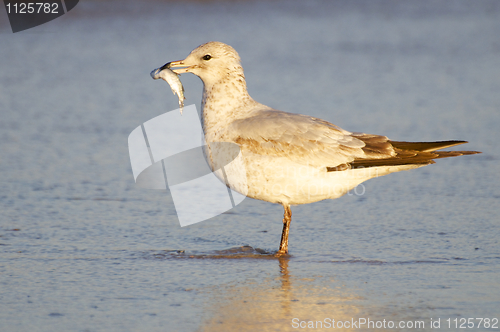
pixel 83 249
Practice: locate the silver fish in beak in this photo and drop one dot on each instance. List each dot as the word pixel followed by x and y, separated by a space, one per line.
pixel 173 80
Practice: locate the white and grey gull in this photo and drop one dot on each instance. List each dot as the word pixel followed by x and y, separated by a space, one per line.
pixel 289 158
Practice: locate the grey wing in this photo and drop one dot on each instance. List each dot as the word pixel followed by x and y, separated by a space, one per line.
pixel 306 140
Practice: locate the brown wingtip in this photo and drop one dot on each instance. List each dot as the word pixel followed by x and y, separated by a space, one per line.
pixel 408 153
pixel 426 146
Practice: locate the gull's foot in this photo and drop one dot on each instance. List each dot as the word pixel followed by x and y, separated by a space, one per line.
pixel 281 253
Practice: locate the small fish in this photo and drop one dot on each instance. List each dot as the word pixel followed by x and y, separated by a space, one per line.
pixel 173 80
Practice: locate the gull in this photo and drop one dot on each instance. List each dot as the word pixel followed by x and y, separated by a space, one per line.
pixel 289 158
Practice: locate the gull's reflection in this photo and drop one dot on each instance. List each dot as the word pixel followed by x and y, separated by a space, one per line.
pixel 274 304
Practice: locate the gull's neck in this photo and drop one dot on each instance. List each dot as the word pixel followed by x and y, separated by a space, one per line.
pixel 224 101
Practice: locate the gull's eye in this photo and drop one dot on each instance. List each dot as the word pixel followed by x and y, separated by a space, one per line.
pixel 207 57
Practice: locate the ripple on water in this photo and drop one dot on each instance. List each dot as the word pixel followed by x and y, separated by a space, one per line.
pixel 243 252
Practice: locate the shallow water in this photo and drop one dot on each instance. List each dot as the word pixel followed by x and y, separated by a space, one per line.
pixel 84 249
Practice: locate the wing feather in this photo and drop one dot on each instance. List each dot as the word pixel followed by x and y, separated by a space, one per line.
pixel 305 140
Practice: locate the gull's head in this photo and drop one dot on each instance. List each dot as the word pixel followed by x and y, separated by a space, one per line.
pixel 212 62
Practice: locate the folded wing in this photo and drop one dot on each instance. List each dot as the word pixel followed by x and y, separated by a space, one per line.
pixel 318 143
pixel 306 140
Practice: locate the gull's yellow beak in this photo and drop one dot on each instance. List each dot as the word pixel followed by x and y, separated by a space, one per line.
pixel 182 68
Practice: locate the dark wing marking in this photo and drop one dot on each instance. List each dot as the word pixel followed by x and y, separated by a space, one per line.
pixel 426 146
pixel 407 153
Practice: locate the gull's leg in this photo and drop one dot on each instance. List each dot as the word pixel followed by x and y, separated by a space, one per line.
pixel 287 218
